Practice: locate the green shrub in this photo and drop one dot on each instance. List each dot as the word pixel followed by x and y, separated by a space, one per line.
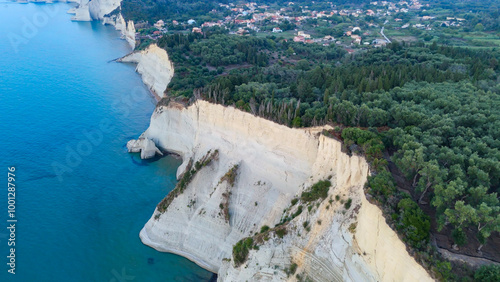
pixel 352 227
pixel 264 228
pixel 414 223
pixel 241 250
pixel 443 269
pixel 280 232
pixel 381 185
pixel 305 224
pixel 230 176
pixel 459 237
pixel 317 191
pixel 359 136
pixel 488 273
pixel 298 212
pixel 291 270
pixel 347 204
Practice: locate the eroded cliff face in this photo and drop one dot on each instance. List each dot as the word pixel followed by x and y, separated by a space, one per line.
pixel 154 66
pixel 327 241
pixel 93 10
pixel 100 10
pixel 127 29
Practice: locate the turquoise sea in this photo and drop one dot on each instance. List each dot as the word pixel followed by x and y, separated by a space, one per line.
pixel 66 113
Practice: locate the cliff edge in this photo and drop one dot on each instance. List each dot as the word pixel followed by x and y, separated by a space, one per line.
pixel 106 11
pixel 243 176
pixel 154 66
pixel 93 10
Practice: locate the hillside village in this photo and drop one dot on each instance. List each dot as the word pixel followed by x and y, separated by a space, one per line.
pixel 304 65
pixel 352 28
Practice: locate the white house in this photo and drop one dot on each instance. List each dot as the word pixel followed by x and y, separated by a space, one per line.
pixel 159 24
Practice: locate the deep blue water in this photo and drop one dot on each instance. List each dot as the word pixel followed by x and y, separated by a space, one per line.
pixel 56 87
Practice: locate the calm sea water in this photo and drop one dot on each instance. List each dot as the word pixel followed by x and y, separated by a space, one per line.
pixel 57 88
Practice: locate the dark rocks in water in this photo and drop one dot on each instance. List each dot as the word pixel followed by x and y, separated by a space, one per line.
pixel 213 278
pixel 151 261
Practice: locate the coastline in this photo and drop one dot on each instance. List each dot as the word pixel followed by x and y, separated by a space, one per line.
pixel 154 67
pixel 109 93
pixel 198 261
pixel 187 150
pixel 193 225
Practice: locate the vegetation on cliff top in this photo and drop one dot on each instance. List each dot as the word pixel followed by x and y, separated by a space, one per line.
pixel 435 109
pixel 426 111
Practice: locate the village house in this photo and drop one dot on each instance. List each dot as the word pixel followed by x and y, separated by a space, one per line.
pixel 299 39
pixel 379 42
pixel 241 31
pixel 357 39
pixel 329 38
pixel 159 24
pixel 277 30
pixel 305 35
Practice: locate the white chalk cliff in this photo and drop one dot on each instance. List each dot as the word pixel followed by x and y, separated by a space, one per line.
pixel 101 10
pixel 127 29
pixel 145 146
pixel 275 164
pixel 154 66
pixel 93 10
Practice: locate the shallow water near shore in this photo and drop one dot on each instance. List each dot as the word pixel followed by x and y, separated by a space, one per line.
pixel 66 115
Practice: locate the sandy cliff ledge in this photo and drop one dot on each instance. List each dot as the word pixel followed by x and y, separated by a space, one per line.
pixel 275 164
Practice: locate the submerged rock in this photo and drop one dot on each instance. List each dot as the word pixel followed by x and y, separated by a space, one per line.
pixel 146 146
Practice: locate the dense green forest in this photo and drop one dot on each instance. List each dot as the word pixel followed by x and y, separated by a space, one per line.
pixel 431 111
pixel 153 10
pixel 434 109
